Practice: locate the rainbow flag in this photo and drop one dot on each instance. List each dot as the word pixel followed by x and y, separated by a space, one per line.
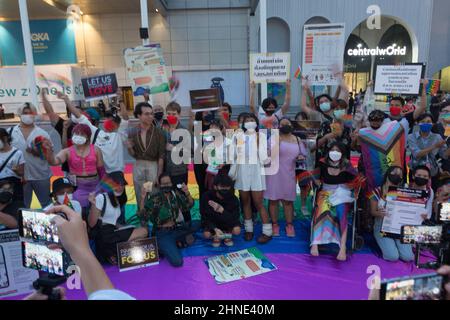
pixel 308 176
pixel 433 87
pixel 298 73
pixel 347 120
pixel 107 184
pixel 380 150
pixel 67 201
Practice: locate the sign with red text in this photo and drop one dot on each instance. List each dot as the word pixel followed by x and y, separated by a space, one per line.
pixel 100 87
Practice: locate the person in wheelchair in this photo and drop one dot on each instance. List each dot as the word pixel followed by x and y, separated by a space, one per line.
pixel 334 200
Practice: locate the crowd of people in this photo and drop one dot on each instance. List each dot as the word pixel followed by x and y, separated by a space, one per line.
pixel 245 169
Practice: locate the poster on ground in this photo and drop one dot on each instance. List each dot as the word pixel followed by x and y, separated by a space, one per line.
pixel 323 53
pixel 399 79
pixel 270 67
pixel 205 99
pixel 238 265
pixel 14 278
pixel 147 70
pixel 405 208
pixel 137 254
pixel 100 87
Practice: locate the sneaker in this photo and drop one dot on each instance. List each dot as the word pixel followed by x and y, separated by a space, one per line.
pixel 216 243
pixel 228 242
pixel 290 231
pixel 275 230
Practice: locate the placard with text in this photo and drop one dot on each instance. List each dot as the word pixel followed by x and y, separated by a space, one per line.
pixel 270 67
pixel 398 79
pixel 137 254
pixel 99 87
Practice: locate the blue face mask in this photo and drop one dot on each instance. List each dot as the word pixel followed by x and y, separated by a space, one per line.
pixel 425 127
pixel 325 106
pixel 338 114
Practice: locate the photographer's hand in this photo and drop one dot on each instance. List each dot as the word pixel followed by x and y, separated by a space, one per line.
pixel 37 295
pixel 74 238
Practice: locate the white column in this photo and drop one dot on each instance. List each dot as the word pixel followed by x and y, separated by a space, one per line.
pixel 144 20
pixel 28 52
pixel 263 38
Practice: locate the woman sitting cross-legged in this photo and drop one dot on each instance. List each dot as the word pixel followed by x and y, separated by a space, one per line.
pixel 220 212
pixel 334 201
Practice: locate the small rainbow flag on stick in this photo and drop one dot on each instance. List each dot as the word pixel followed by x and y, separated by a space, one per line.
pixel 298 73
pixel 67 201
pixel 433 87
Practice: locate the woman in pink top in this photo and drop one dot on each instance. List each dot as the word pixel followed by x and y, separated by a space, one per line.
pixel 85 163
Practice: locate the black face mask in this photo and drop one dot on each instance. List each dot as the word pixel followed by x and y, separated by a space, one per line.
pixel 395 179
pixel 269 112
pixel 166 189
pixel 286 129
pixel 5 197
pixel 159 115
pixel 209 117
pixel 420 182
pixel 225 193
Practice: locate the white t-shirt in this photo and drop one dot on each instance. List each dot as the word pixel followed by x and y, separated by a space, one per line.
pixel 35 167
pixel 111 144
pixel 111 213
pixel 16 159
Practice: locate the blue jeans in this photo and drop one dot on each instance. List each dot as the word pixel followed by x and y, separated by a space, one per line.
pixel 392 249
pixel 167 241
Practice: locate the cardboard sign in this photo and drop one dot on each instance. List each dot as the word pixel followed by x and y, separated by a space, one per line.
pixel 205 100
pixel 405 207
pixel 137 254
pixel 270 67
pixel 398 79
pixel 99 87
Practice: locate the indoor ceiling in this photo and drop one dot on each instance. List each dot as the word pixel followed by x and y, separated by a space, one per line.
pixel 9 9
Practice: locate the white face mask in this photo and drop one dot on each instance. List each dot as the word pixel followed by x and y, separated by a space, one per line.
pixel 27 119
pixel 61 197
pixel 335 156
pixel 250 126
pixel 78 140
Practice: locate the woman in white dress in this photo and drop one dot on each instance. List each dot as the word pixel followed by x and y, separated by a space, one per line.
pixel 248 172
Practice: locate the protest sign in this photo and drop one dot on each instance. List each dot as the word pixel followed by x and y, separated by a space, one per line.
pixel 205 100
pixel 137 254
pixel 99 87
pixel 404 207
pixel 307 128
pixel 398 79
pixel 146 68
pixel 323 52
pixel 238 265
pixel 270 67
pixel 14 278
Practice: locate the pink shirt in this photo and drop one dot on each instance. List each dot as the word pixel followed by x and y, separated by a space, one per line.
pixel 83 166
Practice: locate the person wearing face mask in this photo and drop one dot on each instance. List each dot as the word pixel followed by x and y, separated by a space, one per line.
pixel 12 164
pixel 334 131
pixel 220 212
pixel 425 146
pixel 269 115
pixel 334 201
pixel 62 194
pixel 9 208
pixel 281 186
pixel 158 112
pixel 104 213
pixel 37 171
pixel 85 163
pixel 392 249
pixel 164 209
pixel 178 172
pixel 420 180
pixel 441 128
pixel 249 174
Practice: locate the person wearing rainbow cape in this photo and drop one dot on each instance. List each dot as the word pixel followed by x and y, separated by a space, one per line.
pixel 383 141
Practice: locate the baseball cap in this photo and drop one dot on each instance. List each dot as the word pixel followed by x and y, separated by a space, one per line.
pixel 60 184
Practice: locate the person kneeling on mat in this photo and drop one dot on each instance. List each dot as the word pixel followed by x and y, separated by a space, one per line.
pixel 164 208
pixel 220 212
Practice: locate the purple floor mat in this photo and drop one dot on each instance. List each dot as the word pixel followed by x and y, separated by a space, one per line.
pixel 299 276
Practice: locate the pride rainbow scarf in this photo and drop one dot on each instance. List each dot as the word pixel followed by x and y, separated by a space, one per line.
pixel 381 149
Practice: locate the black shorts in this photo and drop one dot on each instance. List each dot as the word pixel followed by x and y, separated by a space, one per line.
pixel 108 237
